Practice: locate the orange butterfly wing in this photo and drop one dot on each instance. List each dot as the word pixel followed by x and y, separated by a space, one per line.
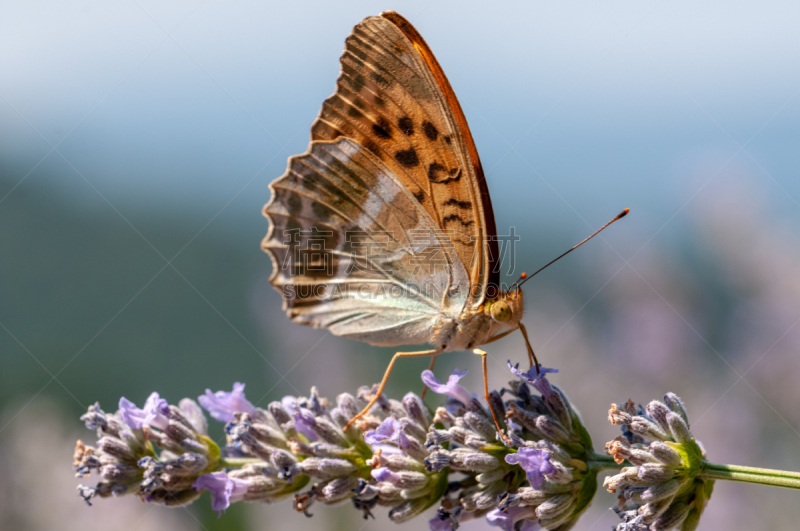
pixel 393 99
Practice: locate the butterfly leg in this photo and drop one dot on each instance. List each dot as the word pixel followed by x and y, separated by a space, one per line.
pixel 430 368
pixel 378 393
pixel 531 355
pixel 482 354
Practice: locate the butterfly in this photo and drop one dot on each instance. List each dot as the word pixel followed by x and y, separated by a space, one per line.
pixel 383 230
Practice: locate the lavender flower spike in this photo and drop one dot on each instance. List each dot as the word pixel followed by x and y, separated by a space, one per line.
pixel 536 464
pixel 222 405
pixel 224 490
pixel 153 414
pixel 531 375
pixel 451 388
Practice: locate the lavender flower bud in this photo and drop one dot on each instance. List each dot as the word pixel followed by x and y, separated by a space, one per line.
pixel 671 518
pixel 661 491
pixel 119 472
pixel 326 468
pixel 655 473
pixel 525 418
pixel 531 496
pixel 400 462
pixel 443 416
pixel 117 448
pixel 475 442
pixel 559 405
pixel 666 454
pixel 658 411
pixel 95 418
pixel 461 459
pixel 407 510
pixel 436 437
pixel 338 489
pixel 491 476
pixel 194 414
pixel 339 417
pixel 551 429
pixel 653 510
pixel 676 405
pixel 486 498
pixel 437 461
pixel 327 431
pixel 679 428
pixel 417 411
pixel 648 429
pixel 178 431
pixel 496 404
pixel 347 405
pixel 554 506
pixel 279 412
pixel 481 425
pixel 404 479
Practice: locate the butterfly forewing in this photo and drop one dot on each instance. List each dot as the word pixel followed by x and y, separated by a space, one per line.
pixel 383 230
pixel 393 99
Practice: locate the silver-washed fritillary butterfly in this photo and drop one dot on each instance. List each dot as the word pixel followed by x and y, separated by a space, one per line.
pixel 383 230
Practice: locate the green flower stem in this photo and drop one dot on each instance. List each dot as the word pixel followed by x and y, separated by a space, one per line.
pixel 747 474
pixel 238 462
pixel 600 462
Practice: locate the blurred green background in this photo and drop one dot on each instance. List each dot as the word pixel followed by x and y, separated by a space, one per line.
pixel 137 140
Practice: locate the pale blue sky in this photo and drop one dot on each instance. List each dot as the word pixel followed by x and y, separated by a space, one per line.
pixel 608 104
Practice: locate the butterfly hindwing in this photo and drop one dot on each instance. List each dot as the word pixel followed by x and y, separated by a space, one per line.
pixel 355 252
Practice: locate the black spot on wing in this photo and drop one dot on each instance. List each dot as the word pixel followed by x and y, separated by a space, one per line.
pixel 406 125
pixel 373 148
pixel 419 195
pixel 433 170
pixel 448 139
pixel 322 211
pixel 293 201
pixel 461 204
pixel 361 54
pixel 379 79
pixel 439 174
pixel 430 130
pixel 407 157
pixel 456 217
pixel 355 113
pixel 382 129
pixel 357 83
pixel 379 101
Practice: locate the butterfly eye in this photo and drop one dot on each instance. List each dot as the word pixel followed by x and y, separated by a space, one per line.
pixel 501 311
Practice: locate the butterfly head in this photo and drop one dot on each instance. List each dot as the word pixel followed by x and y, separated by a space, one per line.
pixel 507 308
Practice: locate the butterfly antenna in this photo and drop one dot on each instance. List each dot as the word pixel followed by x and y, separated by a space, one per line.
pixel 525 277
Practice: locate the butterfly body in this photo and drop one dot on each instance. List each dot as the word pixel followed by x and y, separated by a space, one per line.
pixel 478 326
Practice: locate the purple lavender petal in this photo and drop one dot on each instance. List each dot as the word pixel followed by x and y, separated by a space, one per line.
pixel 153 413
pixel 384 474
pixel 219 486
pixel 224 490
pixel 438 524
pixel 386 431
pixel 451 388
pixel 536 464
pixel 222 405
pixel 304 422
pixel 531 374
pixel 508 518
